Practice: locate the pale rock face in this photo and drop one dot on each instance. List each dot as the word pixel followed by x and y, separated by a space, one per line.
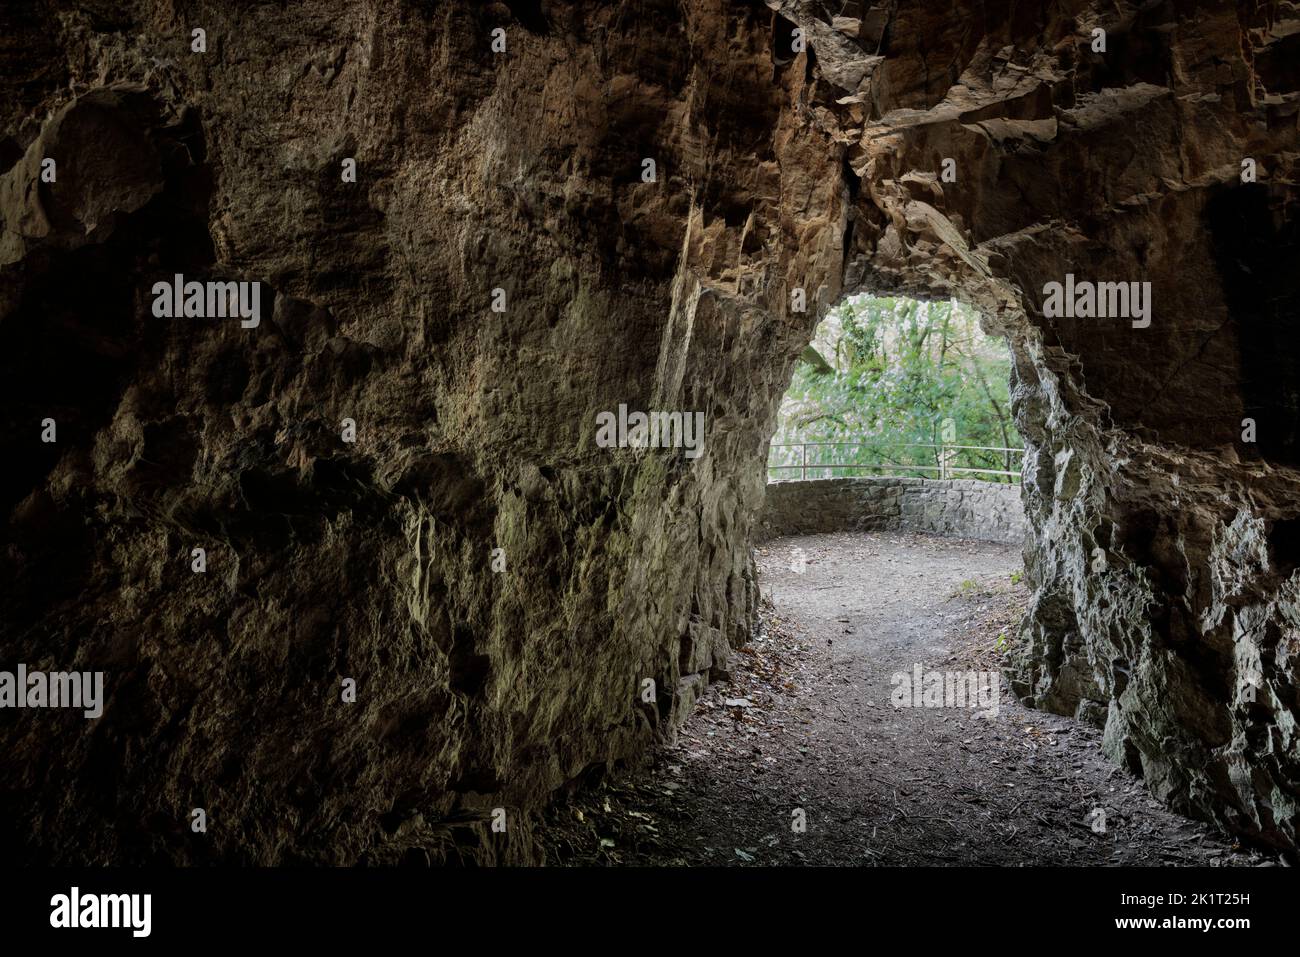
pixel 777 169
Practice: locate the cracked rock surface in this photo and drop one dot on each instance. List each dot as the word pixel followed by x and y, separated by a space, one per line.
pixel 1164 548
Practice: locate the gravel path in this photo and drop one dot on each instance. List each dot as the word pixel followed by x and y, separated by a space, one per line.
pixel 803 757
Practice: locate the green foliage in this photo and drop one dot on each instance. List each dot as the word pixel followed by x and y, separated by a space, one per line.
pixel 884 375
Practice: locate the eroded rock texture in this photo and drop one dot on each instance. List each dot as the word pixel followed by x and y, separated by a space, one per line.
pixel 1164 548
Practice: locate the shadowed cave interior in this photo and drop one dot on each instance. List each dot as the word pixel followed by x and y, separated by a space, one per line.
pixel 1162 553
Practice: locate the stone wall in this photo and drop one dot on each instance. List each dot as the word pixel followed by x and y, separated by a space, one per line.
pixel 1165 559
pixel 960 508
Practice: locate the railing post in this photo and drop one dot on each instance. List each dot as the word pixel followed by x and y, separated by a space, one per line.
pixel 945 456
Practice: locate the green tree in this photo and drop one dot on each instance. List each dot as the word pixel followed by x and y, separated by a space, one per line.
pixel 882 379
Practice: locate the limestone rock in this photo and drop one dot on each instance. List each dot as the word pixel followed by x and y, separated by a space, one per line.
pixel 776 170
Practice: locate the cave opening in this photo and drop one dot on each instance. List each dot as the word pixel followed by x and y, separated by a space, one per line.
pixel 402 487
pixel 895 386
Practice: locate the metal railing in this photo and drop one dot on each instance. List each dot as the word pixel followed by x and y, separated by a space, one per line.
pixel 944 457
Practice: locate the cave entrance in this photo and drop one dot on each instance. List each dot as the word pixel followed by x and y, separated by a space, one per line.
pixel 889 561
pixel 891 386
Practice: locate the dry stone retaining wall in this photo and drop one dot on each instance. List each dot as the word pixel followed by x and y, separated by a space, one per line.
pixel 960 508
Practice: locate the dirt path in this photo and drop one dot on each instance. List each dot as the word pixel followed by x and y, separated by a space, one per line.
pixel 807 731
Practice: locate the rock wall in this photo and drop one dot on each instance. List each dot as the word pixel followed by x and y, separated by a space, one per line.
pixel 1152 143
pixel 484 679
pixel 960 508
pixel 506 267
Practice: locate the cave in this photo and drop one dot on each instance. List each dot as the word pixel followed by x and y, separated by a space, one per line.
pixel 427 593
